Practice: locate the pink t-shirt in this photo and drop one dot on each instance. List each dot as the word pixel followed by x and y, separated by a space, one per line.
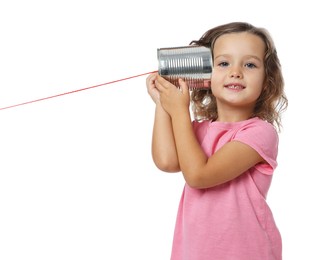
pixel 231 221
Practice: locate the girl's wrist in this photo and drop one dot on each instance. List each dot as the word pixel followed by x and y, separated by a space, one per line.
pixel 160 110
pixel 180 113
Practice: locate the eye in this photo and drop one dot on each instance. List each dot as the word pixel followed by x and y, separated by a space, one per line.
pixel 250 65
pixel 223 64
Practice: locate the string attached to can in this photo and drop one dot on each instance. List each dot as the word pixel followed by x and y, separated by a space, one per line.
pixel 74 91
pixel 192 63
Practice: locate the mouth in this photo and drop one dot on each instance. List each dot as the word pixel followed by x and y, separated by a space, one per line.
pixel 235 86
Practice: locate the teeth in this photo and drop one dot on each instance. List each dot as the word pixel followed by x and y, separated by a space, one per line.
pixel 234 87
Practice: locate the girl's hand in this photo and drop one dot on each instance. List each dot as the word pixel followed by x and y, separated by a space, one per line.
pixel 151 87
pixel 174 100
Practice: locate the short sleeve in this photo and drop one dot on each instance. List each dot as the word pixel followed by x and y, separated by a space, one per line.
pixel 263 138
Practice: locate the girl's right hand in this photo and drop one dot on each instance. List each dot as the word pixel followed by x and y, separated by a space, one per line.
pixel 151 87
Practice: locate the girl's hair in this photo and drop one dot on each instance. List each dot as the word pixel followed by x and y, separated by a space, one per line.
pixel 272 101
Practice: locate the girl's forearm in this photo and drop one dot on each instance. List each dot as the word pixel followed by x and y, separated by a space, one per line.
pixel 191 157
pixel 163 144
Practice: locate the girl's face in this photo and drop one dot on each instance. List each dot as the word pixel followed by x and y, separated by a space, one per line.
pixel 238 72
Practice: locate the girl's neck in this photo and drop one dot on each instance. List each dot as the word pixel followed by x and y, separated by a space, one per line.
pixel 234 114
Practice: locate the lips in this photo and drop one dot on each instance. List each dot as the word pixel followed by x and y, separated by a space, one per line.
pixel 235 86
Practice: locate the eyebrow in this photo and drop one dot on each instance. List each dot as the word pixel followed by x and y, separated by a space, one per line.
pixel 246 56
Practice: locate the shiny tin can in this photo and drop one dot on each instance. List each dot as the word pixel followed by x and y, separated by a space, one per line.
pixel 191 63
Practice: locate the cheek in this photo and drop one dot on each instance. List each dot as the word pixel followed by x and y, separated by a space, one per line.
pixel 215 78
pixel 215 84
pixel 258 83
pixel 257 92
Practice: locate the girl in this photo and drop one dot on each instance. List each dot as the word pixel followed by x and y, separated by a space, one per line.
pixel 228 153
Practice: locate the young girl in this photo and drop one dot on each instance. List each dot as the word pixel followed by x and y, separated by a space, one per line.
pixel 228 153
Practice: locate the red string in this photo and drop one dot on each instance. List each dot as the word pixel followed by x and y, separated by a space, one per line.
pixel 74 91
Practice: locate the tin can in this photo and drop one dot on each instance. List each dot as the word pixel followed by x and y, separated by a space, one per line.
pixel 191 63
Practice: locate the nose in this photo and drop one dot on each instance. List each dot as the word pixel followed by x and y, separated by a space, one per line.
pixel 236 73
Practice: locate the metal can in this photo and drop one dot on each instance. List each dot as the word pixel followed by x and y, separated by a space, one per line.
pixel 191 63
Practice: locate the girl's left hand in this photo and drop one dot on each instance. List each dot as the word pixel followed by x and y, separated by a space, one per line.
pixel 174 100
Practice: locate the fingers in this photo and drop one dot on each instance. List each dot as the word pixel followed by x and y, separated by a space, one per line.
pixel 151 87
pixel 155 81
pixel 162 84
pixel 151 79
pixel 183 86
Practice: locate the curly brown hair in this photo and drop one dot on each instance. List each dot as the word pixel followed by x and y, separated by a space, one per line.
pixel 272 101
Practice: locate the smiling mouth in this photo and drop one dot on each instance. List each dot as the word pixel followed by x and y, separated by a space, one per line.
pixel 235 86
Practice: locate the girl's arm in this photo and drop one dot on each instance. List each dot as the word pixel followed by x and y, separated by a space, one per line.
pixel 163 144
pixel 200 171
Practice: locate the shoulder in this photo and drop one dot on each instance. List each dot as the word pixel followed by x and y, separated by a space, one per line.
pixel 262 137
pixel 257 128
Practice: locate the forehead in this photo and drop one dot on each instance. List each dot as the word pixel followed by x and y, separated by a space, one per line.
pixel 242 43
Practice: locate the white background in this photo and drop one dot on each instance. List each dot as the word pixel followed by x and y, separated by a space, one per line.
pixel 76 176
